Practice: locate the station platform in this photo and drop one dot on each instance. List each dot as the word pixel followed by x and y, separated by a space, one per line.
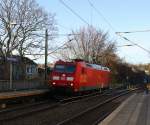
pixel 22 93
pixel 134 111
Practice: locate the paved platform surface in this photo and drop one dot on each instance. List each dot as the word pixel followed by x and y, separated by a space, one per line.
pixel 134 111
pixel 23 93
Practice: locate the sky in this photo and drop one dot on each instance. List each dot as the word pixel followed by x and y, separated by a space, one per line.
pixel 116 16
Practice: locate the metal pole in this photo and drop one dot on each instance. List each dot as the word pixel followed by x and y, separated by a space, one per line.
pixel 46 49
pixel 11 74
pixel 11 55
pixel 11 66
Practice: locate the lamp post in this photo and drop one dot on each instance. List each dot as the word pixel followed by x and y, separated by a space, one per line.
pixel 11 60
pixel 11 74
pixel 46 49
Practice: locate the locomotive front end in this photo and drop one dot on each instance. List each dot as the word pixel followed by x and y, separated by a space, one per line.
pixel 63 76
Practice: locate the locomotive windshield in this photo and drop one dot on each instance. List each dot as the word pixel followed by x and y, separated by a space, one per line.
pixel 64 68
pixel 59 68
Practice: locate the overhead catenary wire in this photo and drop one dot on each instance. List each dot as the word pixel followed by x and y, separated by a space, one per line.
pixel 118 33
pixel 92 5
pixel 54 57
pixel 101 15
pixel 58 48
pixel 135 31
pixel 125 38
pixel 61 34
pixel 75 13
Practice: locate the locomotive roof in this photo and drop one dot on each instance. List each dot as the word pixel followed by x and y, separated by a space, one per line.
pixel 65 62
pixel 95 66
pixel 98 67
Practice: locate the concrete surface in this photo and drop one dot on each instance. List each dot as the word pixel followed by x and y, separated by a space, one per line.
pixel 134 111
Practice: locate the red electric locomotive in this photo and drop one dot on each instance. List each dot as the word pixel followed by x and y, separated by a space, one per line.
pixel 79 76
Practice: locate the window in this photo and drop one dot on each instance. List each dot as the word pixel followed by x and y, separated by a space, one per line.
pixel 60 68
pixel 64 68
pixel 88 65
pixel 30 69
pixel 70 68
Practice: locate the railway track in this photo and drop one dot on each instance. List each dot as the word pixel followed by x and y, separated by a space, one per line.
pixel 84 116
pixel 20 111
pixel 37 109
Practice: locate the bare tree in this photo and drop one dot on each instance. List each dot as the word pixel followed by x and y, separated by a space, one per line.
pixel 91 45
pixel 22 22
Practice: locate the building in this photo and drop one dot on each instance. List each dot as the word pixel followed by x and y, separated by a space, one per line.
pixel 23 68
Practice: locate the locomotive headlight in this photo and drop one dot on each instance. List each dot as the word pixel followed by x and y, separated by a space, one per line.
pixel 70 78
pixel 55 77
pixel 71 84
pixel 54 83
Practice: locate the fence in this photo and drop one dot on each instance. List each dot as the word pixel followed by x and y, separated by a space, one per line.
pixel 21 85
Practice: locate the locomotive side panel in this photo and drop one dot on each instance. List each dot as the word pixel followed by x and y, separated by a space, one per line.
pixel 78 77
pixel 105 79
pixel 92 79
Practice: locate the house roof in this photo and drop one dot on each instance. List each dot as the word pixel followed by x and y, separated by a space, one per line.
pixel 18 59
pixel 25 59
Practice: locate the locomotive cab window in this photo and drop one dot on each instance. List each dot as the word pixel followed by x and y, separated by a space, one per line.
pixel 70 68
pixel 59 68
pixel 65 68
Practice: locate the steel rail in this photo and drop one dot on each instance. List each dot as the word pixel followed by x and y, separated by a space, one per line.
pixel 19 113
pixel 91 108
pixel 48 106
